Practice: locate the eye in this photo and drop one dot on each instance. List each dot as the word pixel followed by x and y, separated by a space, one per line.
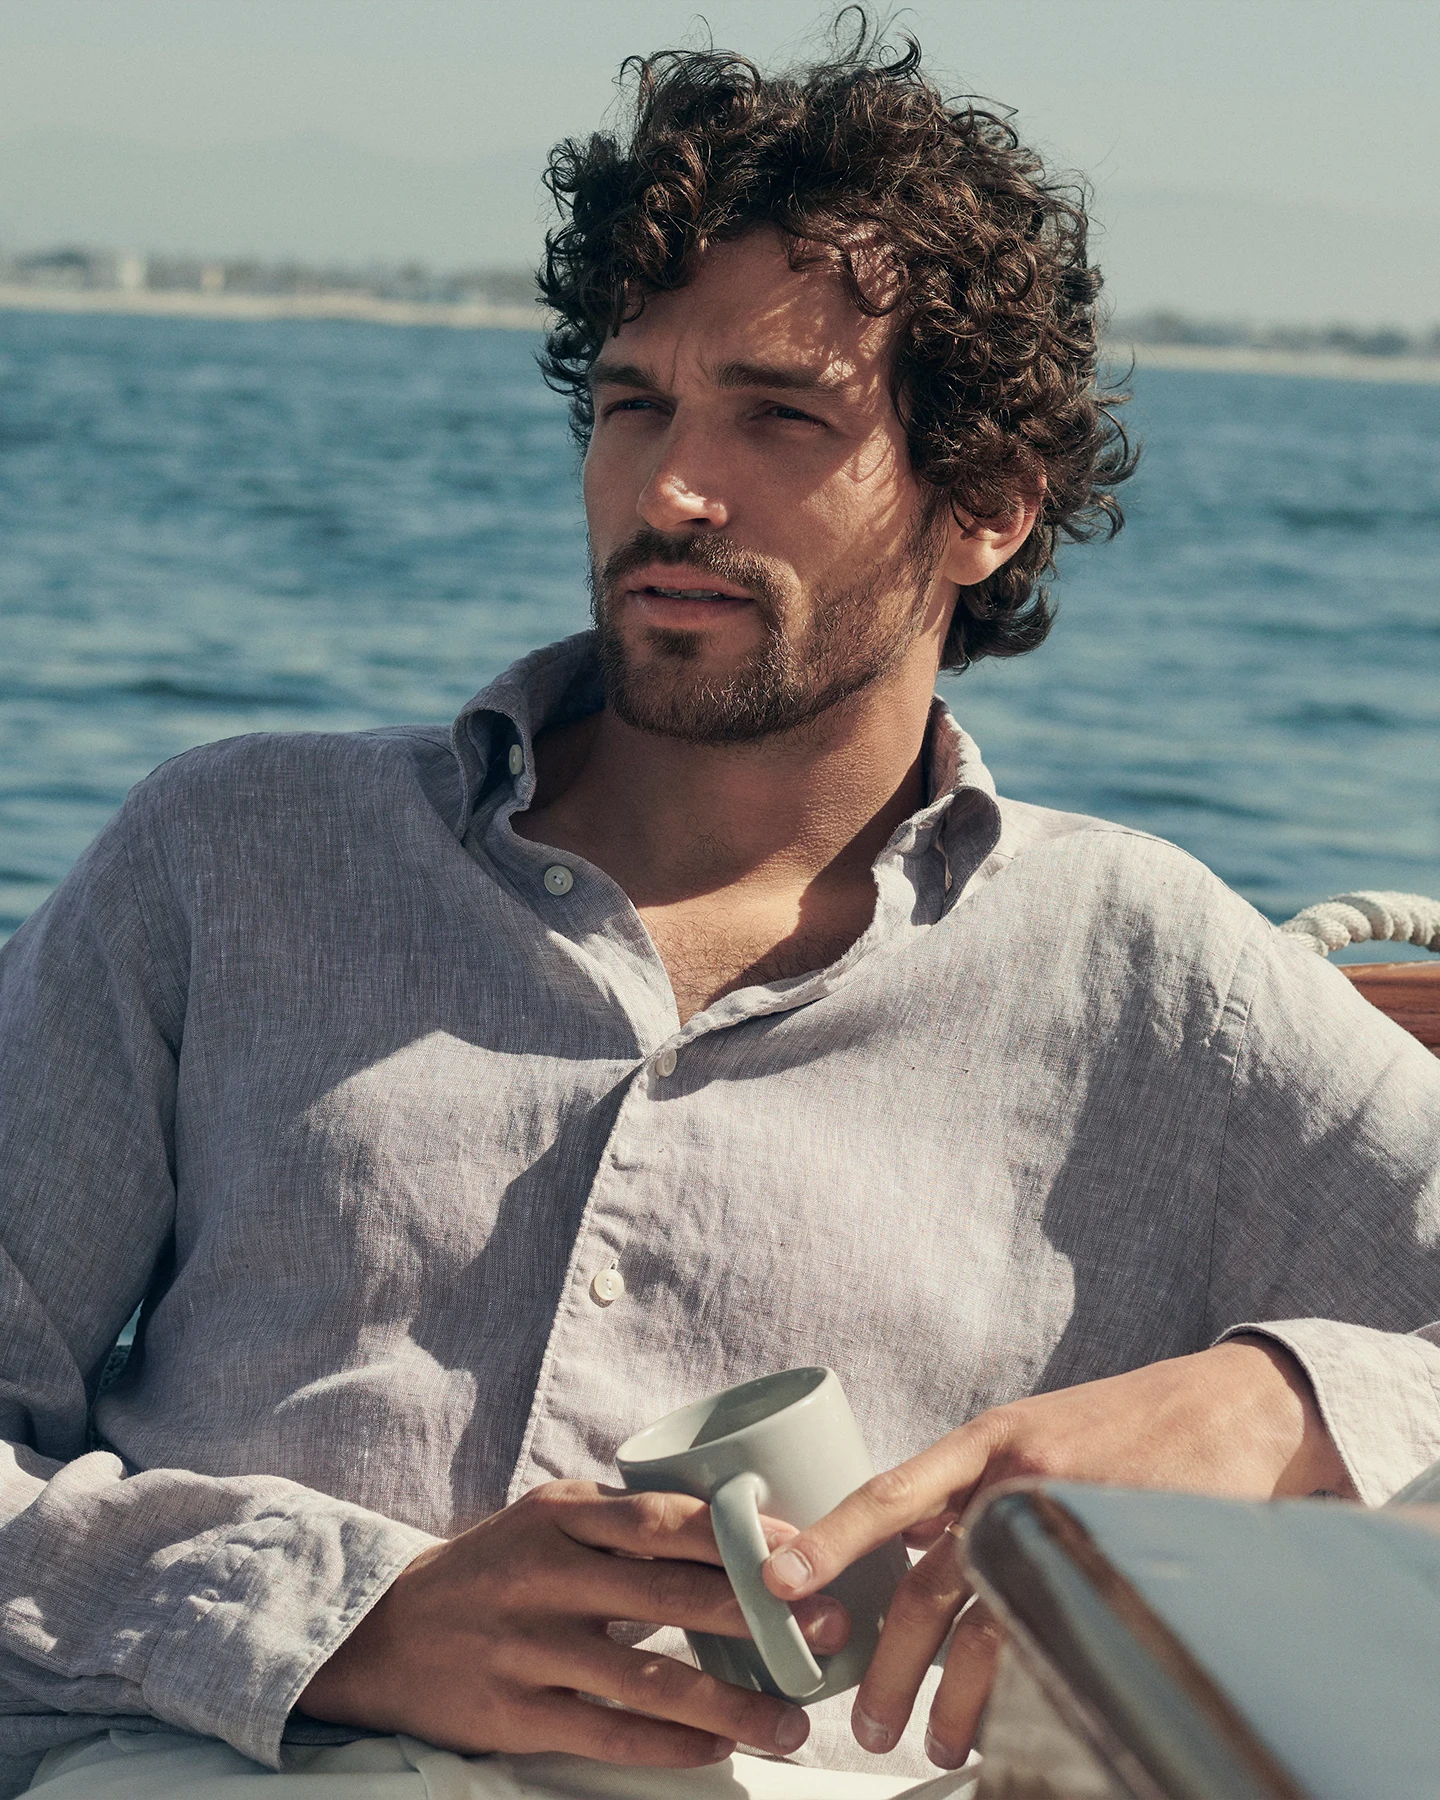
pixel 637 403
pixel 792 414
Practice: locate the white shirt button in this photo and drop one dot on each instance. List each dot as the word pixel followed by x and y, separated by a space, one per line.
pixel 607 1287
pixel 558 879
pixel 665 1062
pixel 517 759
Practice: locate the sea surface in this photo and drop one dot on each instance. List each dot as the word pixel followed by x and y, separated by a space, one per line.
pixel 209 528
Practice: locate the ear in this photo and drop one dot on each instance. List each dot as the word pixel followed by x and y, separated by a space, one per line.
pixel 976 548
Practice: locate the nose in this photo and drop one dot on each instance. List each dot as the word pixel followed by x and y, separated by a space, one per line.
pixel 684 489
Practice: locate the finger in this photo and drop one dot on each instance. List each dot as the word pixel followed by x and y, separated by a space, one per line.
pixel 652 1524
pixel 668 1525
pixel 663 1688
pixel 590 1584
pixel 920 1614
pixel 563 1721
pixel 651 1591
pixel 964 1688
pixel 941 1479
pixel 824 1623
pixel 928 1531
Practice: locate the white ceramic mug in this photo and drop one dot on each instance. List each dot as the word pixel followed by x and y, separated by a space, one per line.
pixel 786 1445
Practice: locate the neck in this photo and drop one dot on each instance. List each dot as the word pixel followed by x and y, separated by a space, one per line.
pixel 671 820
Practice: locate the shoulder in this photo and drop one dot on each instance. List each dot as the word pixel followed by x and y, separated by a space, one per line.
pixel 269 780
pixel 241 836
pixel 1113 877
pixel 1132 905
pixel 1134 935
pixel 227 824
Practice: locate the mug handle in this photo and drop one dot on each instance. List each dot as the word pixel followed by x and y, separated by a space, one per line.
pixel 735 1514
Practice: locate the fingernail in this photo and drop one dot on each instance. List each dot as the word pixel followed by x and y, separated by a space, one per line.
pixel 829 1629
pixel 791 1569
pixel 942 1757
pixel 723 1747
pixel 870 1734
pixel 778 1534
pixel 791 1731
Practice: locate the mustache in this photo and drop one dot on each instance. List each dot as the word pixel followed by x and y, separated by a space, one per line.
pixel 711 554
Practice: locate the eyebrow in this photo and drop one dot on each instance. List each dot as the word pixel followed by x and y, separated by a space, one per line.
pixel 792 378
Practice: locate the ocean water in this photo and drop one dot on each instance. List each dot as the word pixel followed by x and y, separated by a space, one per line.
pixel 209 528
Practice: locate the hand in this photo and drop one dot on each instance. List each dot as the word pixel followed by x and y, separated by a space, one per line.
pixel 1239 1419
pixel 490 1640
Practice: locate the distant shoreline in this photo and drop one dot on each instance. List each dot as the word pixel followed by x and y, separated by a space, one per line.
pixel 1245 359
pixel 1223 359
pixel 181 303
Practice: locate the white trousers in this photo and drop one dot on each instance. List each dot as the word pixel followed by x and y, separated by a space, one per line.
pixel 163 1765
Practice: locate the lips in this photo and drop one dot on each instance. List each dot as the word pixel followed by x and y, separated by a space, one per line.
pixel 683 584
pixel 696 604
pixel 669 593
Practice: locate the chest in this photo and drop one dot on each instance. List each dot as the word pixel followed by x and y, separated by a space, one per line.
pixel 906 1161
pixel 714 944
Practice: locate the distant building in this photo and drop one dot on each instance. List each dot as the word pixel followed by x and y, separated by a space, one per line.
pixel 64 268
pixel 131 271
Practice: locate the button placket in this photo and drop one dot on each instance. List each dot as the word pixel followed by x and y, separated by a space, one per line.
pixel 594 1283
pixel 600 1316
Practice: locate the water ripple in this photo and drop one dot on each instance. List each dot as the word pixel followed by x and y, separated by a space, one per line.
pixel 213 528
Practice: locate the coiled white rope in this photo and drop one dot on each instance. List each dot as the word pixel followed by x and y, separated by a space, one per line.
pixel 1366 918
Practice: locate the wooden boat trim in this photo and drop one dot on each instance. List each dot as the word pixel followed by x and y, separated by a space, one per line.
pixel 1407 992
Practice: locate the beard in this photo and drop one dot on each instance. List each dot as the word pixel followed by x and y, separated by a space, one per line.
pixel 855 635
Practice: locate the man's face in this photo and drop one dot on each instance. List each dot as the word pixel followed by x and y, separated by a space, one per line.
pixel 760 548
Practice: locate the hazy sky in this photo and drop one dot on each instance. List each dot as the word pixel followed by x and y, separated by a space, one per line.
pixel 1271 158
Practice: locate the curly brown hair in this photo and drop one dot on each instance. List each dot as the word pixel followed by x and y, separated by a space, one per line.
pixel 984 254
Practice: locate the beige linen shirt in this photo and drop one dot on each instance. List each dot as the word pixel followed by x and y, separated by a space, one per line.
pixel 310 1057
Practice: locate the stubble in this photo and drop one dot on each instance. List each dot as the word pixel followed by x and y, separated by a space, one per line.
pixel 856 633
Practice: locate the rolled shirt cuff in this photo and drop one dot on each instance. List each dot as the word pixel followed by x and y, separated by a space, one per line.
pixel 1378 1393
pixel 291 1585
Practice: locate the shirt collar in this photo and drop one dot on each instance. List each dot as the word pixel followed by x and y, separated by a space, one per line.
pixel 550 686
pixel 561 682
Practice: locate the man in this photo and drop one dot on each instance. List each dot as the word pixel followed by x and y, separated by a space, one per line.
pixel 456 1105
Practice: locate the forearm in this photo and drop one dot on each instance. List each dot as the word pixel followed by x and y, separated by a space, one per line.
pixel 1315 1465
pixel 1376 1393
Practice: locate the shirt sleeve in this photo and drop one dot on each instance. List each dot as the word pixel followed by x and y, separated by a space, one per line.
pixel 204 1602
pixel 1327 1226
